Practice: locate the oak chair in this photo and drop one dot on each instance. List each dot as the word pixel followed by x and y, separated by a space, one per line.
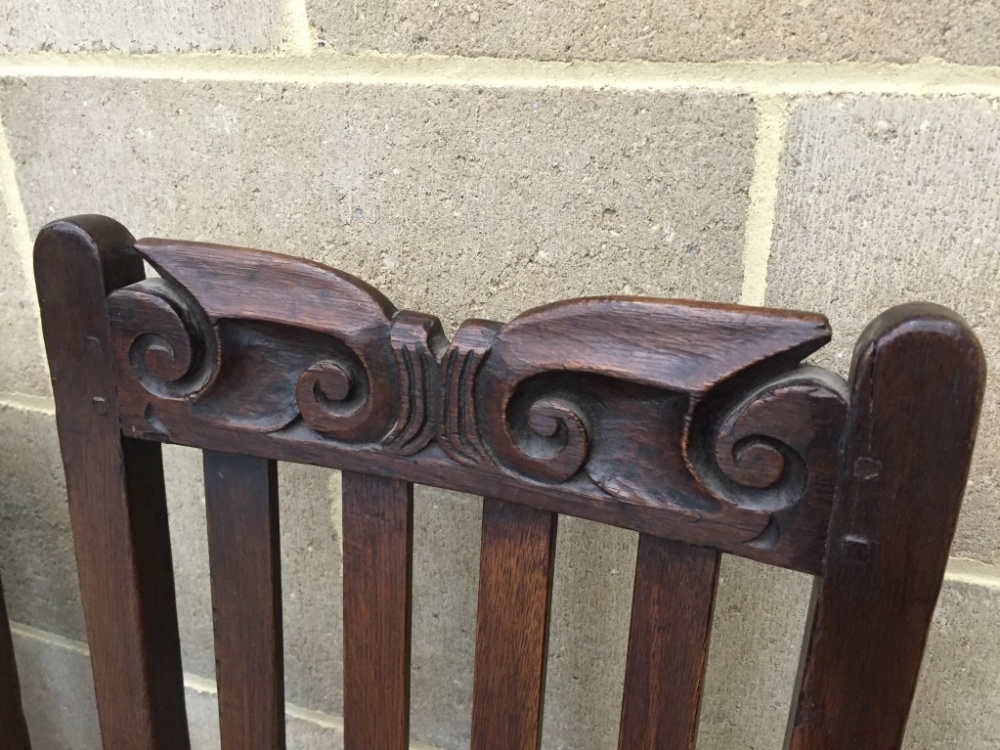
pixel 13 729
pixel 694 424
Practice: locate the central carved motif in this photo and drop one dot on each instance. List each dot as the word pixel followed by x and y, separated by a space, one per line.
pixel 695 408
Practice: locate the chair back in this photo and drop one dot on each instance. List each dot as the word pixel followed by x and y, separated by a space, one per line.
pixel 695 425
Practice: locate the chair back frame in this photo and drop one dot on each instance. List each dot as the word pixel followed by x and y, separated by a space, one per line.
pixel 696 425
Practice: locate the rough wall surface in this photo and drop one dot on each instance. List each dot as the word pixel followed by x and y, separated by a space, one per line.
pixel 472 160
pixel 679 31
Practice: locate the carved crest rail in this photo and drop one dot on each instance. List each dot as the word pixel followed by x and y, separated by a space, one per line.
pixel 689 420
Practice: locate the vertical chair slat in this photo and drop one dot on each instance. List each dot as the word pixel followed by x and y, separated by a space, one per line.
pixel 515 582
pixel 241 500
pixel 378 547
pixel 917 382
pixel 13 730
pixel 114 485
pixel 668 642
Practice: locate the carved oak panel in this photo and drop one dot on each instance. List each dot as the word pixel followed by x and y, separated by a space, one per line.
pixel 689 420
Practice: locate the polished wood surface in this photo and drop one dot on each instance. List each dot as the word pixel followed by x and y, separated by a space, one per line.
pixel 679 419
pixel 668 642
pixel 903 471
pixel 515 585
pixel 241 503
pixel 114 484
pixel 378 559
pixel 695 424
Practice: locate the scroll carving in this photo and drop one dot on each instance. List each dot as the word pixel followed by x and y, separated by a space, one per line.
pixel 756 450
pixel 261 358
pixel 173 350
pixel 701 411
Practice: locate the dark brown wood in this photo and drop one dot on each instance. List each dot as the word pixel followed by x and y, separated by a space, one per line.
pixel 13 728
pixel 917 384
pixel 241 500
pixel 434 468
pixel 515 583
pixel 668 642
pixel 691 423
pixel 677 419
pixel 117 502
pixel 378 546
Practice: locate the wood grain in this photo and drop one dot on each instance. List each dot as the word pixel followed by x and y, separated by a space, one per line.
pixel 801 547
pixel 658 415
pixel 692 423
pixel 917 383
pixel 378 554
pixel 515 583
pixel 117 502
pixel 241 501
pixel 668 642
pixel 13 729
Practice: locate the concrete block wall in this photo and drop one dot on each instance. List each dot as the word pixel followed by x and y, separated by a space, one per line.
pixel 474 159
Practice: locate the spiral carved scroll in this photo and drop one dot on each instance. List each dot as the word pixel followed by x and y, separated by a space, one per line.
pixel 333 398
pixel 757 450
pixel 173 349
pixel 256 342
pixel 546 439
pixel 272 374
